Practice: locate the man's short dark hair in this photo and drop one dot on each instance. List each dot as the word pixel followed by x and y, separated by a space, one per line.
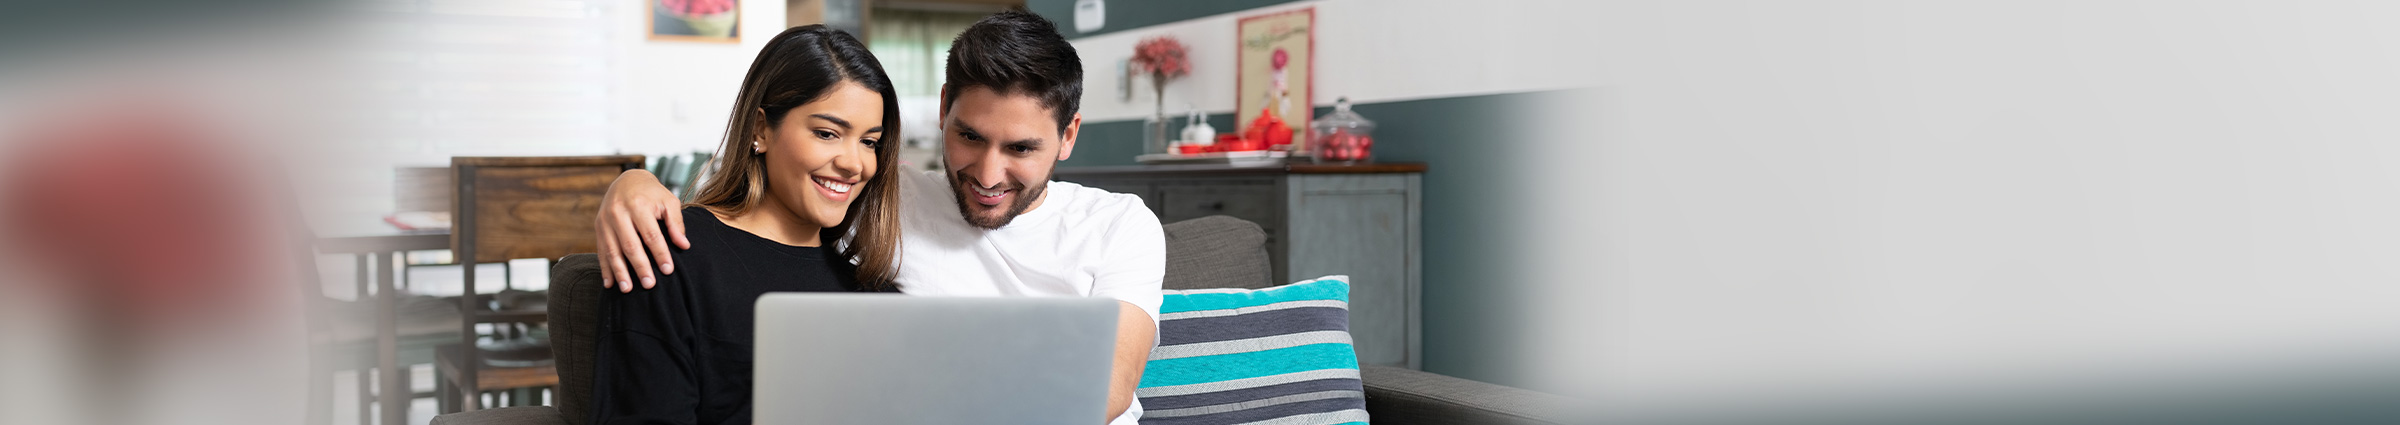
pixel 1017 53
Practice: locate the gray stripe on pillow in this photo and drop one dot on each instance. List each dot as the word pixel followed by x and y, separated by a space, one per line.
pixel 1252 404
pixel 1229 385
pixel 1254 309
pixel 1253 325
pixel 1247 394
pixel 1313 412
pixel 1249 345
pixel 1345 416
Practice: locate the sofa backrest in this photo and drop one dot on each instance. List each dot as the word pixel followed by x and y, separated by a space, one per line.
pixel 1217 252
pixel 574 328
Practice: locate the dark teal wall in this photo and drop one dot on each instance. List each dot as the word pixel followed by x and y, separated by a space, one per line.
pixel 1132 14
pixel 1473 300
pixel 1474 292
pixel 1472 147
pixel 1117 142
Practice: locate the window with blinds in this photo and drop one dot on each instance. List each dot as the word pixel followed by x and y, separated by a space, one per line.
pixel 442 78
pixel 912 45
pixel 411 83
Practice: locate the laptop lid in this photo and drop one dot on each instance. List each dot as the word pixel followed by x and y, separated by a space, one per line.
pixel 831 358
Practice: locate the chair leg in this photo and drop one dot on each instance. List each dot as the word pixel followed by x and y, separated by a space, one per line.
pixel 408 389
pixel 366 395
pixel 445 395
pixel 320 387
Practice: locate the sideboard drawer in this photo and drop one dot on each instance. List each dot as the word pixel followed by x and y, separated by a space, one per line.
pixel 1257 203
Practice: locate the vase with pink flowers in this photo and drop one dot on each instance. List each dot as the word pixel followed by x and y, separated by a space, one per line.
pixel 1162 59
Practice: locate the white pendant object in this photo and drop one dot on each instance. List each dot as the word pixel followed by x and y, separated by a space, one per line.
pixel 1090 15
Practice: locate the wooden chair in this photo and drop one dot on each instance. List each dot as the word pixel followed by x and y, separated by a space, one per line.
pixel 694 175
pixel 508 208
pixel 422 190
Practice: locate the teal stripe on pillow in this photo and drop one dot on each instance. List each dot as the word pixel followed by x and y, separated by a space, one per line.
pixel 1279 355
pixel 1322 289
pixel 1226 367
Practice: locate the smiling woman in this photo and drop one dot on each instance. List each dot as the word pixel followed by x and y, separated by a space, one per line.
pixel 803 163
pixel 815 108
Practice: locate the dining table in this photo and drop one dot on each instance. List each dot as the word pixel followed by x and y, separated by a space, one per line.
pixel 375 242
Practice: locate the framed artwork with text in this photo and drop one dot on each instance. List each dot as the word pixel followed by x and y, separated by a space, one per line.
pixel 1277 58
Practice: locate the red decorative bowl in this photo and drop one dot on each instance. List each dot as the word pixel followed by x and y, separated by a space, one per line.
pixel 1236 143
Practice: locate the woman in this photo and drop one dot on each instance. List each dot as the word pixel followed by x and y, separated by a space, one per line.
pixel 798 171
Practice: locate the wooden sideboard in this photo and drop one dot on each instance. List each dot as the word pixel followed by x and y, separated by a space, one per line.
pixel 1357 220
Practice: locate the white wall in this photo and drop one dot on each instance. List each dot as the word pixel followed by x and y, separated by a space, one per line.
pixel 1879 201
pixel 1371 51
pixel 659 97
pixel 675 95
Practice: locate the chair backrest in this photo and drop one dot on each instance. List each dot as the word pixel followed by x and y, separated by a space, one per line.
pixel 421 189
pixel 694 175
pixel 575 297
pixel 1217 252
pixel 670 170
pixel 529 207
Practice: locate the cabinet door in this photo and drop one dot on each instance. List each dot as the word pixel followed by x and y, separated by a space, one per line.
pixel 1363 228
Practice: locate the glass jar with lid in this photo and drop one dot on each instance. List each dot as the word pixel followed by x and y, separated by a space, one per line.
pixel 1341 136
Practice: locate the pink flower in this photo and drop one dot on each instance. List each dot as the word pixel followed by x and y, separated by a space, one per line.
pixel 1281 58
pixel 1161 57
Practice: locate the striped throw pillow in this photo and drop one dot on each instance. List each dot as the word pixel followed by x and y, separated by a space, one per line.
pixel 1231 356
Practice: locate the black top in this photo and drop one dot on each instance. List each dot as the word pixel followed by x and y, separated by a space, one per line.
pixel 680 353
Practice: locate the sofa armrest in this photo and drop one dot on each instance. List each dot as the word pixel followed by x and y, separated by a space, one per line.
pixel 525 415
pixel 1401 396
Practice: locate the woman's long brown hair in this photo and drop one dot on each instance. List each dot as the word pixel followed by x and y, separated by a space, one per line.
pixel 797 67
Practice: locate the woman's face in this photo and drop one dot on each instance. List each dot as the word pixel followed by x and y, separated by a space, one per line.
pixel 819 159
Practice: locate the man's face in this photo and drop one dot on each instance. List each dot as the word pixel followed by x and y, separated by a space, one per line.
pixel 1001 150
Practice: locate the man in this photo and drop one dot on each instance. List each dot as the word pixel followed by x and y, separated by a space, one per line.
pixel 992 224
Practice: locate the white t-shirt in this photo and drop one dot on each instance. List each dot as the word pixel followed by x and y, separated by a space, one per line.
pixel 1081 242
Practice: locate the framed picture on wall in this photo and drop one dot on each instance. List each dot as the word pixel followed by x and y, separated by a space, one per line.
pixel 1277 60
pixel 716 21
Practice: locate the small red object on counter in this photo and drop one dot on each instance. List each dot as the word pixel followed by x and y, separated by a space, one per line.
pixel 1236 143
pixel 1269 130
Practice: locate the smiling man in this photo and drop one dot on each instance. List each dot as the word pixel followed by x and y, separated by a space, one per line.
pixel 992 223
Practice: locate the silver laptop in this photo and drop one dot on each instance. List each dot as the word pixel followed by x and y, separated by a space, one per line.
pixel 897 359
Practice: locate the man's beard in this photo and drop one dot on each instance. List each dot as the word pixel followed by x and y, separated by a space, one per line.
pixel 961 191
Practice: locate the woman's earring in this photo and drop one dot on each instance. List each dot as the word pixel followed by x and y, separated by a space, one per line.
pixel 755 148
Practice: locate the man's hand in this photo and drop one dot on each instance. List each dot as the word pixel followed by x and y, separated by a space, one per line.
pixel 628 222
pixel 1136 334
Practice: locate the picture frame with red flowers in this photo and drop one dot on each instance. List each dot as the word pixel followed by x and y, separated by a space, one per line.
pixel 707 21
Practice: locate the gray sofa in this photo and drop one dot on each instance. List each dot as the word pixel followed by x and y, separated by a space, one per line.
pixel 1207 252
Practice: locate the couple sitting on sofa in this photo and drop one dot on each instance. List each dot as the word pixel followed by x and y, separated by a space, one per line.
pixel 807 197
